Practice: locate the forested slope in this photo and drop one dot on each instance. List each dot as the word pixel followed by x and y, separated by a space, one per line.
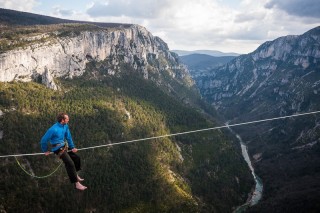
pixel 189 173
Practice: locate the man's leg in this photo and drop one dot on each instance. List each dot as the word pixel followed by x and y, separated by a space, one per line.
pixel 77 163
pixel 76 160
pixel 70 167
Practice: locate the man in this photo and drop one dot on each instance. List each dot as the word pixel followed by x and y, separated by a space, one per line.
pixel 57 134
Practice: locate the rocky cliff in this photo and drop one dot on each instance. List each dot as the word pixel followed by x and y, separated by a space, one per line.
pixel 59 53
pixel 275 68
pixel 281 77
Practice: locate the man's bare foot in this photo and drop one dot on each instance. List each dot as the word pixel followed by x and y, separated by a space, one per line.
pixel 79 186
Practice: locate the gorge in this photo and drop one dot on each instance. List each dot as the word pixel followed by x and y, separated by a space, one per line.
pixel 279 78
pixel 119 82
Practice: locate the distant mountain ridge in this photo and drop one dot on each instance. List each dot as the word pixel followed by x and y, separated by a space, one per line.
pixel 198 63
pixel 13 17
pixel 206 52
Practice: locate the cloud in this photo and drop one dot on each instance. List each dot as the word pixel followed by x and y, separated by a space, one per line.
pixel 302 8
pixel 131 8
pixel 21 5
pixel 249 17
pixel 206 24
pixel 62 12
pixel 213 25
pixel 225 25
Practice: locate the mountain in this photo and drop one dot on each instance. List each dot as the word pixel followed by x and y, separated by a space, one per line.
pixel 198 63
pixel 18 18
pixel 281 77
pixel 63 50
pixel 117 84
pixel 205 52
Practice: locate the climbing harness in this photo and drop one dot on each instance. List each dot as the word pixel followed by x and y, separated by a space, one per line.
pixel 62 150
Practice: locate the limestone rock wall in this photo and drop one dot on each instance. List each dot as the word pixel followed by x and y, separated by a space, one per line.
pixel 67 56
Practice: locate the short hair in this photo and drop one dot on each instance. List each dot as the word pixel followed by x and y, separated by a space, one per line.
pixel 61 116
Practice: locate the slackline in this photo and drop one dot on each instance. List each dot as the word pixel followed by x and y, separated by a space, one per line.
pixel 174 134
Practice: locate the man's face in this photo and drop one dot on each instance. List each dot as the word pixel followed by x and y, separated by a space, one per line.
pixel 65 120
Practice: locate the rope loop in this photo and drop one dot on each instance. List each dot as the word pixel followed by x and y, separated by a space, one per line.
pixel 34 176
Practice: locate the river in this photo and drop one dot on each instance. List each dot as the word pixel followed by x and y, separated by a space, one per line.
pixel 256 195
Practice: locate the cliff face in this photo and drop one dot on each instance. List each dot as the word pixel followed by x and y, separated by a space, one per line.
pixel 67 56
pixel 281 77
pixel 285 69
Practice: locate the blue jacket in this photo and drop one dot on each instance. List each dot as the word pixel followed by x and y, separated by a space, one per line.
pixel 57 135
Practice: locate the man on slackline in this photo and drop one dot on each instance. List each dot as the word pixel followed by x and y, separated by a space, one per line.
pixel 56 135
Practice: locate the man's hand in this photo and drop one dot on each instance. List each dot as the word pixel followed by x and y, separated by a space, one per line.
pixel 74 150
pixel 47 153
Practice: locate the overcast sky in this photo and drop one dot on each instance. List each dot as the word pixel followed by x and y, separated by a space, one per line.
pixel 226 25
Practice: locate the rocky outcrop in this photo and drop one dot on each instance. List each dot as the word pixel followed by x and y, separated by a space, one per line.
pixel 68 56
pixel 48 80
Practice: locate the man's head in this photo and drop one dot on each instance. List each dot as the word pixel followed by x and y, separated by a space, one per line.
pixel 63 118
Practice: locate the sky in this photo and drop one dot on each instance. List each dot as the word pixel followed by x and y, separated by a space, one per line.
pixel 238 26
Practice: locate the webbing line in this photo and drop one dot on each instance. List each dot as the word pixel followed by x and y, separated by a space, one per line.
pixel 175 134
pixel 45 176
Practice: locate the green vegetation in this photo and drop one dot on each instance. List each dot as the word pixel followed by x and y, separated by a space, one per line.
pixel 148 176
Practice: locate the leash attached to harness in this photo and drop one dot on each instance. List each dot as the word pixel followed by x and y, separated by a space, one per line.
pixel 61 151
pixel 34 176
